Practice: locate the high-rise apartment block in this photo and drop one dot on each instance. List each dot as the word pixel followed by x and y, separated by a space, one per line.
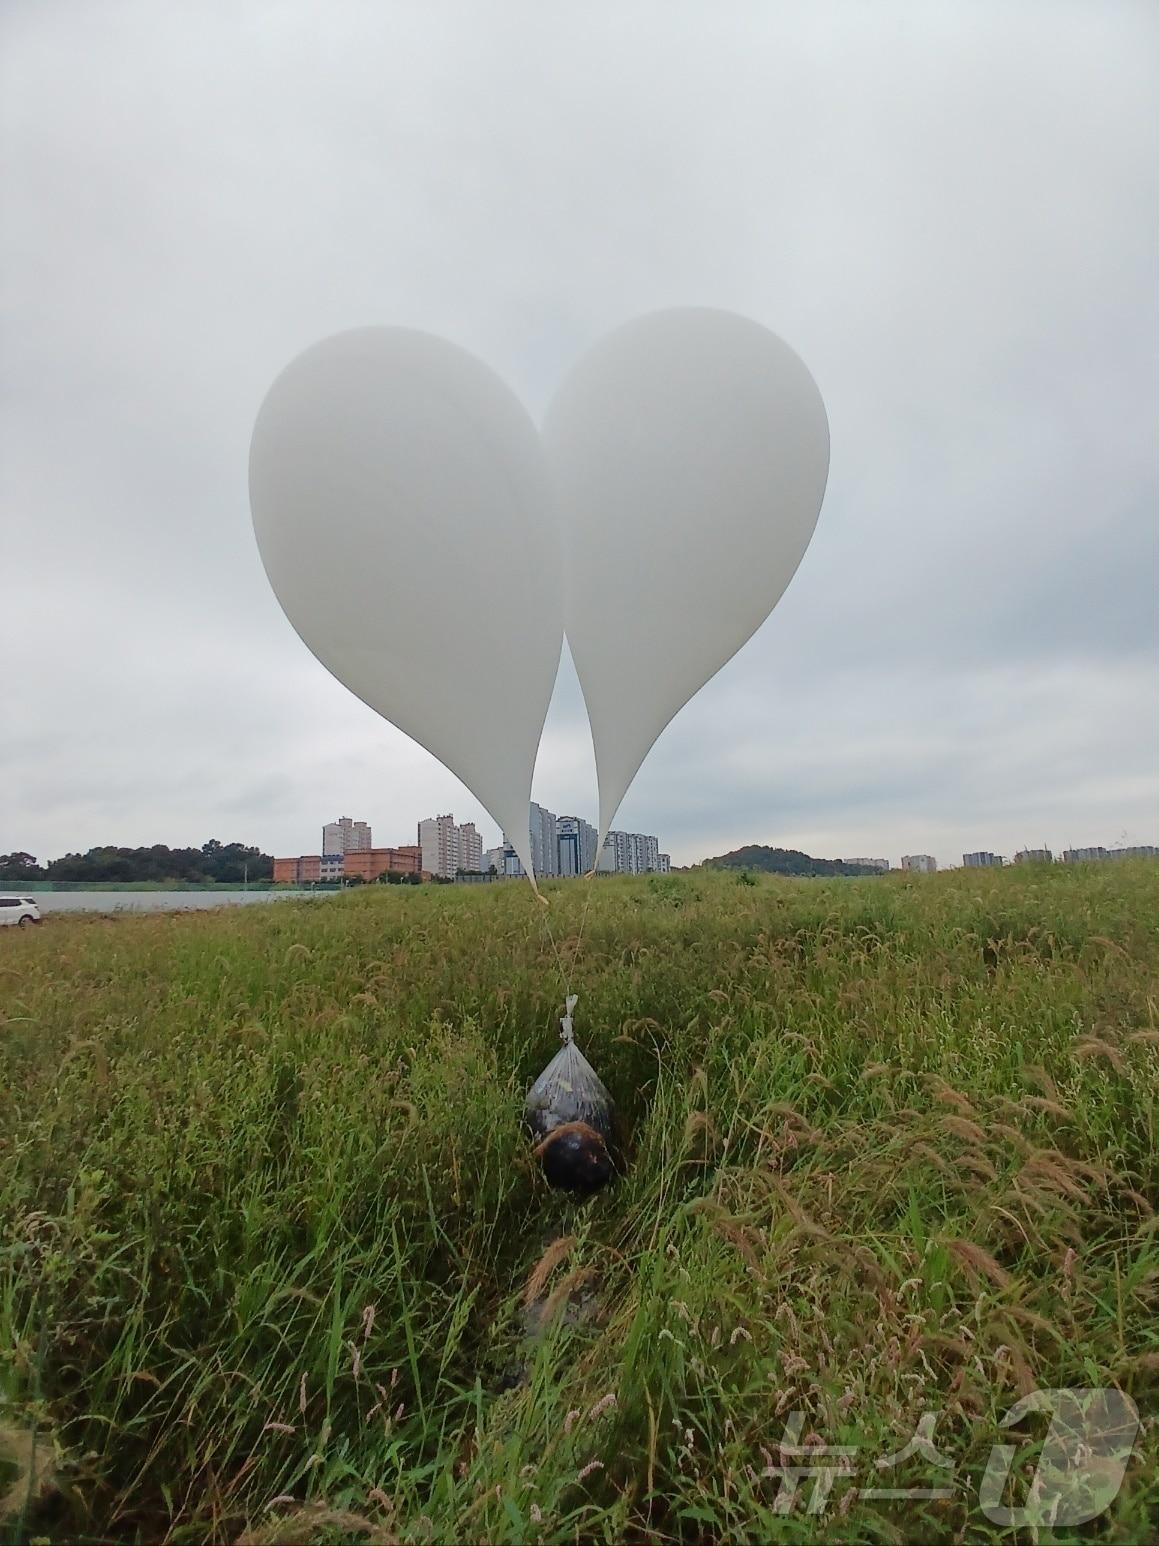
pixel 982 860
pixel 544 840
pixel 1034 856
pixel 881 865
pixel 439 841
pixel 345 836
pixel 577 845
pixel 447 848
pixel 543 836
pixel 1135 851
pixel 632 853
pixel 566 845
pixel 920 864
pixel 470 847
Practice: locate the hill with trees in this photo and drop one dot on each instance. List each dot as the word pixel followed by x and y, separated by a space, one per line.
pixel 783 861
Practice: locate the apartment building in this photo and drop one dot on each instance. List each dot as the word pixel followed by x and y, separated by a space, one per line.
pixel 470 847
pixel 576 840
pixel 448 848
pixel 438 837
pixel 345 836
pixel 1135 851
pixel 544 830
pixel 632 853
pixel 560 845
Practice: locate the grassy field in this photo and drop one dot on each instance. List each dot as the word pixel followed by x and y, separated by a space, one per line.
pixel 273 1242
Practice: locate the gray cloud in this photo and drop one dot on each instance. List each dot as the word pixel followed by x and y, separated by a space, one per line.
pixel 950 212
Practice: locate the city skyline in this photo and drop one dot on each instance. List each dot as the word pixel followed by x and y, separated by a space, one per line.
pixel 579 836
pixel 561 846
pixel 559 841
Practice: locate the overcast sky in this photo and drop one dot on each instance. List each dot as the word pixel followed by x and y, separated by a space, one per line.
pixel 951 212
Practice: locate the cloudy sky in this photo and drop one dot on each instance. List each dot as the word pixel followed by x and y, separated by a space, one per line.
pixel 950 211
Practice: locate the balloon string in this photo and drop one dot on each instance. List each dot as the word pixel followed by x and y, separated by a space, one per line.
pixel 567 972
pixel 591 880
pixel 558 958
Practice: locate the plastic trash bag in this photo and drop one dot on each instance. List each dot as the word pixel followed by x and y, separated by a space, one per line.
pixel 570 1113
pixel 569 1090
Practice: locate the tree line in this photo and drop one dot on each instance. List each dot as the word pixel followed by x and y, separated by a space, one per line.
pixel 214 863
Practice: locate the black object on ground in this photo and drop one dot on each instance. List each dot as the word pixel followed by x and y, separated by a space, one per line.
pixel 575 1158
pixel 571 1113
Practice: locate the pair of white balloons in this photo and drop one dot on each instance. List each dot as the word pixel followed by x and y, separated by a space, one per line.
pixel 431 547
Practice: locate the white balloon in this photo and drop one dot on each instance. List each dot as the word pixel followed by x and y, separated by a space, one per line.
pixel 401 506
pixel 689 452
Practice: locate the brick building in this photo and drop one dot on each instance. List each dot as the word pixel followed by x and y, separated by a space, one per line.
pixel 373 862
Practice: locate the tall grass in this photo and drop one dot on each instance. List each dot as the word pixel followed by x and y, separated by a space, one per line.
pixel 274 1243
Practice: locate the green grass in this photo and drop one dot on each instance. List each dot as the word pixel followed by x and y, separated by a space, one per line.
pixel 269 1216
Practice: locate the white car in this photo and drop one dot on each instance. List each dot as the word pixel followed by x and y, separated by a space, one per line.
pixel 18 909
